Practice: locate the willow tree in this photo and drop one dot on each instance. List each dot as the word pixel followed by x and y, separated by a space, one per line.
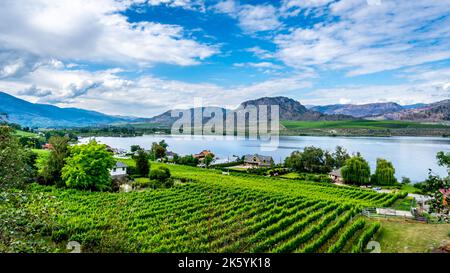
pixel 384 174
pixel 356 171
pixel 59 151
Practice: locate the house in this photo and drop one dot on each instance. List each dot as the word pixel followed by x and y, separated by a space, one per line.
pixel 47 146
pixel 336 176
pixel 170 155
pixel 258 161
pixel 219 161
pixel 203 154
pixel 119 170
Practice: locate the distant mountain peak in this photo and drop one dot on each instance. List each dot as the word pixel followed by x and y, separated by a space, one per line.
pixel 359 110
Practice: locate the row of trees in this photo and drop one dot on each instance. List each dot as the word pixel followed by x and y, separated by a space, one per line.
pixel 85 167
pixel 82 166
pixel 317 160
pixel 355 169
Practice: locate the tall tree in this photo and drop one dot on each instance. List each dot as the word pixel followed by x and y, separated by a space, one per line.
pixel 356 171
pixel 163 144
pixel 59 151
pixel 157 151
pixel 435 185
pixel 14 171
pixel 444 160
pixel 340 155
pixel 135 148
pixel 142 164
pixel 384 173
pixel 312 160
pixel 88 167
pixel 208 160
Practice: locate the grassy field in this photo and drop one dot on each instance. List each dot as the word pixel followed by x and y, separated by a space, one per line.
pixel 210 212
pixel 408 236
pixel 359 124
pixel 24 134
pixel 41 153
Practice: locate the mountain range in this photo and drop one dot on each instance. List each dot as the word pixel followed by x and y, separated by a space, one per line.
pixel 365 110
pixel 48 116
pixel 289 110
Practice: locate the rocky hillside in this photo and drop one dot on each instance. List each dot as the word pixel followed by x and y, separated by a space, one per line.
pixel 359 111
pixel 434 112
pixel 293 110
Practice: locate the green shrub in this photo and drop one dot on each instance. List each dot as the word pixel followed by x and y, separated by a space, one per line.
pixel 161 178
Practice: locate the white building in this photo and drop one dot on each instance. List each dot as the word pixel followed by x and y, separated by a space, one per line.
pixel 119 170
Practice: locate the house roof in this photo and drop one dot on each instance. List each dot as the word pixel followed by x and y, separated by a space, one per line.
pixel 259 158
pixel 121 165
pixel 203 153
pixel 336 173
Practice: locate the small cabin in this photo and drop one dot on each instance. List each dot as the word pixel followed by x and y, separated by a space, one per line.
pixel 258 161
pixel 200 156
pixel 336 176
pixel 170 155
pixel 119 170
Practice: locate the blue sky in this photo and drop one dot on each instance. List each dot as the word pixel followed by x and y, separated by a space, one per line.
pixel 142 57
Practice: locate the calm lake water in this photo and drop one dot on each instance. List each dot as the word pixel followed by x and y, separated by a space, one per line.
pixel 411 156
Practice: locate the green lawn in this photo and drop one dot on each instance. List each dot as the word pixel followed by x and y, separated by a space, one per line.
pixel 358 124
pixel 408 236
pixel 41 153
pixel 292 175
pixel 411 189
pixel 24 134
pixel 404 204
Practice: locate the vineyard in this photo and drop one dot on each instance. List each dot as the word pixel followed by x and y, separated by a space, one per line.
pixel 211 212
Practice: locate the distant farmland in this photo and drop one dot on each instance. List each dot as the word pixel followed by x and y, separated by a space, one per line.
pixel 364 127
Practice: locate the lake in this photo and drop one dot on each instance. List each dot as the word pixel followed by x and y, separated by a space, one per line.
pixel 411 156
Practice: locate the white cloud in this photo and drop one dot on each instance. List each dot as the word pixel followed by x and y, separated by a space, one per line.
pixel 261 53
pixel 107 91
pixel 371 38
pixel 404 94
pixel 252 18
pixel 227 6
pixel 258 18
pixel 185 4
pixel 93 31
pixel 260 65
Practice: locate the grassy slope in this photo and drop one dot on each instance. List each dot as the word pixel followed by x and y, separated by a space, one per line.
pixel 24 134
pixel 403 236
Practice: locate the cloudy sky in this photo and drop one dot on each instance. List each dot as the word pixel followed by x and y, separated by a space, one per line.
pixel 141 57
